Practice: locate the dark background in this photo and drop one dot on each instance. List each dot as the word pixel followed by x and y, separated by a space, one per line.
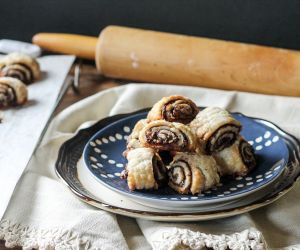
pixel 266 22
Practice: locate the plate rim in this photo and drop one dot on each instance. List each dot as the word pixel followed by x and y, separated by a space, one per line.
pixel 61 162
pixel 140 198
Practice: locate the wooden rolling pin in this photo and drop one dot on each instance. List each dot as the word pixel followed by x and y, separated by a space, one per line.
pixel 150 56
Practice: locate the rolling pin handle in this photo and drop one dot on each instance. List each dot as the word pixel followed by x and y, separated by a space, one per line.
pixel 78 45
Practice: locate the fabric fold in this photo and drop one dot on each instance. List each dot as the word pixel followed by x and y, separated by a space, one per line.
pixel 42 205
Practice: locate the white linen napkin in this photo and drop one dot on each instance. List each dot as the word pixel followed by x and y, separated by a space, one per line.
pixel 44 214
pixel 21 127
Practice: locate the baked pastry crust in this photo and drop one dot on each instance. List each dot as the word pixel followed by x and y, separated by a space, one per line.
pixel 169 136
pixel 12 92
pixel 215 129
pixel 174 108
pixel 133 139
pixel 192 173
pixel 145 169
pixel 237 160
pixel 28 67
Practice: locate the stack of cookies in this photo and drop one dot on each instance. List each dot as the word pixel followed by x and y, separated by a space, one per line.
pixel 188 149
pixel 16 72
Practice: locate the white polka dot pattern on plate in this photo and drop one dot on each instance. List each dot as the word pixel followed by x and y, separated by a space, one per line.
pixel 112 139
pixel 93 144
pixel 267 135
pixel 98 142
pixel 258 139
pixel 126 129
pixel 120 165
pixel 119 137
pixel 104 140
pixel 94 166
pixel 261 143
pixel 97 150
pixel 92 158
pixel 268 143
pixel 278 167
pixel 99 165
pixel 103 156
pixel 111 162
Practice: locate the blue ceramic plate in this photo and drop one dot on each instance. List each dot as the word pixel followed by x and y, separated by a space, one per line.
pixel 103 157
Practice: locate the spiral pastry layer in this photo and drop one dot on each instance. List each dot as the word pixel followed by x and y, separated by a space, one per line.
pixel 145 169
pixel 12 92
pixel 192 173
pixel 237 160
pixel 163 135
pixel 215 129
pixel 133 139
pixel 20 66
pixel 174 108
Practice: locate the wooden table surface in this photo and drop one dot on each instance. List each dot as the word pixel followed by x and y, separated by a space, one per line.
pixel 90 83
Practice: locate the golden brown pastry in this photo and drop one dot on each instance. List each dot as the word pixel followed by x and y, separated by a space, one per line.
pixel 12 92
pixel 215 129
pixel 145 169
pixel 192 173
pixel 174 108
pixel 133 139
pixel 237 160
pixel 169 136
pixel 20 66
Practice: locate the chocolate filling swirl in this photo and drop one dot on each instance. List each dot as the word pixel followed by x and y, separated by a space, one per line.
pixel 159 171
pixel 183 111
pixel 19 71
pixel 222 138
pixel 247 154
pixel 180 176
pixel 7 96
pixel 163 138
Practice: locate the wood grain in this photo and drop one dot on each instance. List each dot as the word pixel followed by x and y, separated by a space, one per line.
pixel 90 83
pixel 160 57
